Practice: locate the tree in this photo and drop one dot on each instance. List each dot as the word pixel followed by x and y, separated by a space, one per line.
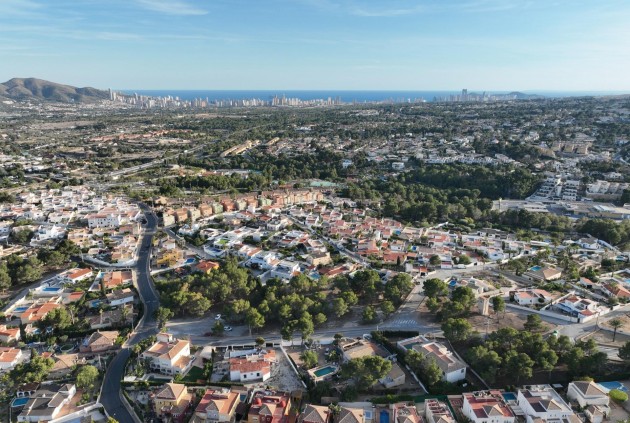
pixel 434 260
pixel 365 371
pixel 464 296
pixel 350 298
pixel 255 320
pixel 369 315
pixel 319 319
pixel 58 318
pixel 425 368
pixel 387 307
pixel 260 341
pixel 338 337
pixel 162 315
pixel 519 365
pixel 624 351
pixel 498 303
pixel 464 259
pixel 435 288
pixel 287 331
pixel 339 307
pixel 309 358
pixel 615 324
pixel 219 328
pixel 86 377
pixel 434 305
pixel 485 361
pixel 5 278
pixel 306 326
pixel 456 330
pixel 112 420
pixel 431 373
pixel 534 323
pixel 547 360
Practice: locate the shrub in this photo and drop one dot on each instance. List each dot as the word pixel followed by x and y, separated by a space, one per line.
pixel 618 396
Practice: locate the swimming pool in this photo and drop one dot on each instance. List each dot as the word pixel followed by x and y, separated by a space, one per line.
pixel 20 309
pixel 509 396
pixel 535 268
pixel 52 289
pixel 613 385
pixel 19 402
pixel 324 371
pixel 189 261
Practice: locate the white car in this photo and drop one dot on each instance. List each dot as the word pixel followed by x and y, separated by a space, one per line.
pixel 217 317
pixel 228 328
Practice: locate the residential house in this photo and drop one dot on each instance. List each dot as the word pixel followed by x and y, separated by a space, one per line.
pixel 542 402
pixel 217 406
pixel 117 278
pixel 120 297
pixel 315 414
pixel 99 342
pixel 47 403
pixel 285 270
pixel 531 296
pixel 38 310
pixel 487 407
pixel 582 309
pixel 9 357
pixel 360 348
pixel 206 266
pixel 436 411
pixel 169 355
pixel 614 289
pixel 395 377
pixel 543 274
pixel 319 258
pixel 587 393
pixel 171 401
pixel 453 369
pixel 64 364
pixel 269 407
pixel 350 415
pixel 9 334
pixel 252 367
pixel 78 275
pixel 405 413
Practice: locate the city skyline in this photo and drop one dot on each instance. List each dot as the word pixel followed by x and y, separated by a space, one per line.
pixel 319 44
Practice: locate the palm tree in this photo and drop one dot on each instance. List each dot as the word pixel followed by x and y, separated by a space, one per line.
pixel 615 324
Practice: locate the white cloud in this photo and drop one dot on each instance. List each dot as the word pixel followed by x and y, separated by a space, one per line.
pixel 172 7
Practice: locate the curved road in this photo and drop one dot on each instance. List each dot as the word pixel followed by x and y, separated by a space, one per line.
pixel 111 393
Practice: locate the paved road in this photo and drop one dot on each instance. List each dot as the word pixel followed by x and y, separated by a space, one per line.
pixel 111 391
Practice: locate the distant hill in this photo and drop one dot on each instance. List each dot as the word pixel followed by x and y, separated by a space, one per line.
pixel 38 89
pixel 522 96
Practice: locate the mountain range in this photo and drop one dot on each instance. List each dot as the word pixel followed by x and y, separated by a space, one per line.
pixel 40 90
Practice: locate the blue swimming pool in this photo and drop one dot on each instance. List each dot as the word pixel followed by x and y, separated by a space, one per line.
pixel 52 289
pixel 324 371
pixel 19 402
pixel 20 309
pixel 613 385
pixel 509 396
pixel 535 268
pixel 190 261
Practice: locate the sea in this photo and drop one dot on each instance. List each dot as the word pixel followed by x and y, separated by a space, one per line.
pixel 345 96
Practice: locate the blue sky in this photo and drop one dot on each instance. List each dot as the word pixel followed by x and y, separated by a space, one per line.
pixel 574 45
